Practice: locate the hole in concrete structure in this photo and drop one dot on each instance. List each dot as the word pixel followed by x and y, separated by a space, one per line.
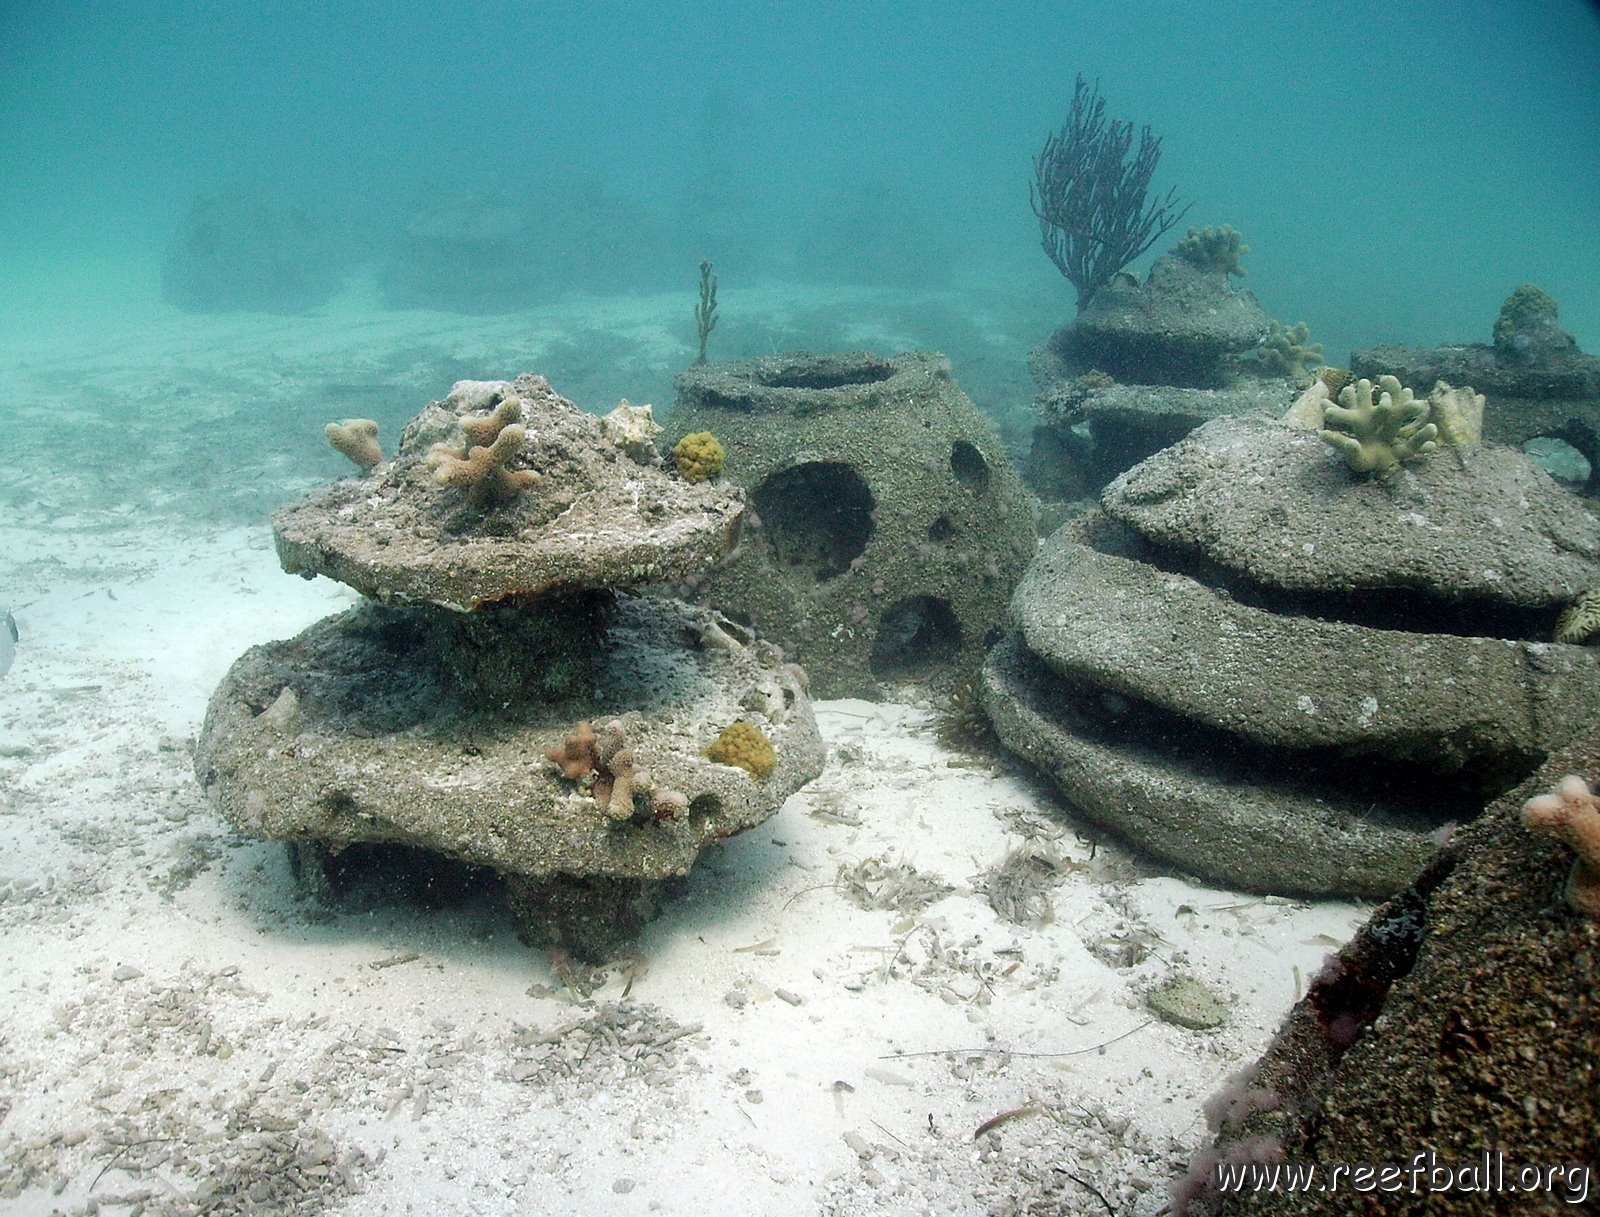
pixel 1559 459
pixel 816 516
pixel 366 875
pixel 705 806
pixel 941 529
pixel 967 463
pixel 914 634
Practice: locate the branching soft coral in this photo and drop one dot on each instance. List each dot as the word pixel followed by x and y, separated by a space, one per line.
pixel 356 438
pixel 583 753
pixel 1376 431
pixel 1572 813
pixel 480 468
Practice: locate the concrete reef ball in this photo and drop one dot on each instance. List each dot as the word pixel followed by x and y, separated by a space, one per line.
pixel 887 528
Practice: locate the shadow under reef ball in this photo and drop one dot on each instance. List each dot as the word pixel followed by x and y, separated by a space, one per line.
pixel 886 529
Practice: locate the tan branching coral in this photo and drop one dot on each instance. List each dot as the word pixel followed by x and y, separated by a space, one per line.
pixel 1216 247
pixel 578 755
pixel 1289 351
pixel 481 467
pixel 1571 813
pixel 599 762
pixel 1375 427
pixel 356 438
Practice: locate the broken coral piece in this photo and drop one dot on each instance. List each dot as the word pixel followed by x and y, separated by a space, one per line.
pixel 356 438
pixel 1572 813
pixel 1458 413
pixel 1375 427
pixel 1310 406
pixel 480 468
pixel 746 746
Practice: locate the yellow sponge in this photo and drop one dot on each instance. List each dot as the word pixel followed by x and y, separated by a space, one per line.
pixel 745 745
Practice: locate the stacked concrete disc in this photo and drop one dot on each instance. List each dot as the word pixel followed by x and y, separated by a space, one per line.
pixel 1140 367
pixel 1537 381
pixel 1274 674
pixel 888 528
pixel 422 718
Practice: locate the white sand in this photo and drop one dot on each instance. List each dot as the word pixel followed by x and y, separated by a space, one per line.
pixel 179 1028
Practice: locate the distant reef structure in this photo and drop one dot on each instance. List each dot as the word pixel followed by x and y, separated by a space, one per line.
pixel 1146 362
pixel 237 251
pixel 500 251
pixel 472 252
pixel 1291 672
pixel 886 529
pixel 506 708
pixel 1536 381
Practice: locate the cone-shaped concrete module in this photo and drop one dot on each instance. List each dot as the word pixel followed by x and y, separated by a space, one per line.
pixel 498 703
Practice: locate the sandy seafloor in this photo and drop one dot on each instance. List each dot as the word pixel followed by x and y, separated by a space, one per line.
pixel 182 1032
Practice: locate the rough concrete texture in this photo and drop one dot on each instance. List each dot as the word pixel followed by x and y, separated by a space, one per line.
pixel 595 519
pixel 1178 327
pixel 1200 801
pixel 1267 670
pixel 1437 700
pixel 371 746
pixel 422 720
pixel 1175 345
pixel 1127 423
pixel 887 528
pixel 1276 505
pixel 1463 1017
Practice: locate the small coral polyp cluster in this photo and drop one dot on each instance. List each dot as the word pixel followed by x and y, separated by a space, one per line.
pixel 1218 248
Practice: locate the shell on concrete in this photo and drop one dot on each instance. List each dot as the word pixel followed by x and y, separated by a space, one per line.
pixel 379 751
pixel 596 519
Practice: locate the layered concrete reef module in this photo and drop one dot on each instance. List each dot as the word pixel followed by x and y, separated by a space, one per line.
pixel 887 527
pixel 502 700
pixel 1281 677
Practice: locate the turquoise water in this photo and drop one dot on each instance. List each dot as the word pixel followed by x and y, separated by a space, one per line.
pixel 1397 168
